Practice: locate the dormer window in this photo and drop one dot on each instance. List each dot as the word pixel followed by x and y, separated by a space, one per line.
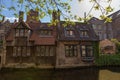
pixel 16 32
pixel 45 32
pixel 83 33
pixel 22 32
pixel 69 33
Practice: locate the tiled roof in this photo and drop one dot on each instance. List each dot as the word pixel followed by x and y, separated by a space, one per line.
pixel 77 28
pixel 45 41
pixel 34 26
pixel 23 23
pixel 61 32
pixel 38 40
pixel 94 20
pixel 34 36
pixel 115 15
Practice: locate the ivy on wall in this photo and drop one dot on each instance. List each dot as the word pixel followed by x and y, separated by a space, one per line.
pixel 108 60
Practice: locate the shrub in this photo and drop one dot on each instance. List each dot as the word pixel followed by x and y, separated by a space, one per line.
pixel 109 59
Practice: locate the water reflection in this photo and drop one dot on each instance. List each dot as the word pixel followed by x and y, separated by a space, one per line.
pixel 59 74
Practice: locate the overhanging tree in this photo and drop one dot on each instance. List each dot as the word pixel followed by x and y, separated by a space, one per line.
pixel 46 7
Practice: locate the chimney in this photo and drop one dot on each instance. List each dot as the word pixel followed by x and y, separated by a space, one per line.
pixel 56 15
pixel 15 21
pixel 21 15
pixel 33 16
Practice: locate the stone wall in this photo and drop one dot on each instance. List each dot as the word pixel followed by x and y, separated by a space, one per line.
pixel 62 61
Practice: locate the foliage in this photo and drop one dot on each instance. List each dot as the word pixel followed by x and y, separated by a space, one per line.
pixel 46 7
pixel 105 10
pixel 1 42
pixel 96 49
pixel 117 43
pixel 108 60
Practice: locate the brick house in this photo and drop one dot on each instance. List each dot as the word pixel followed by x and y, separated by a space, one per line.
pixel 115 24
pixel 30 44
pixel 1 35
pixel 35 44
pixel 107 47
pixel 103 30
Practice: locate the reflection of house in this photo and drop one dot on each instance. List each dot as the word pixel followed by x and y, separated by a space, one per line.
pixel 102 29
pixel 38 45
pixel 107 47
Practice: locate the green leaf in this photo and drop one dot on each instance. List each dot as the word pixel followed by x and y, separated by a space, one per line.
pixel 20 1
pixel 16 15
pixel 50 11
pixel 108 9
pixel 102 16
pixel 12 8
pixel 37 9
pixel 96 7
pixel 108 19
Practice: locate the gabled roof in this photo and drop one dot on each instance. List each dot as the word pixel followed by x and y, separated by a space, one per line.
pixel 95 20
pixel 61 32
pixel 23 25
pixel 115 15
pixel 34 36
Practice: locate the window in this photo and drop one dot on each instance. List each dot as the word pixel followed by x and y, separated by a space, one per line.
pixel 87 52
pixel 84 33
pixel 45 50
pixel 70 50
pixel 21 51
pixel 16 32
pixel 21 32
pixel 69 33
pixel 45 32
pixel 24 51
pixel 94 26
pixel 14 51
pixel 99 33
pixel 42 50
pixel 28 51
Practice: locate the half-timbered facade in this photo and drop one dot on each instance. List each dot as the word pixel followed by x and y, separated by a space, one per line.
pixel 29 45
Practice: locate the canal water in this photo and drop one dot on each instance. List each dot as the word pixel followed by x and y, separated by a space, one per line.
pixel 89 73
